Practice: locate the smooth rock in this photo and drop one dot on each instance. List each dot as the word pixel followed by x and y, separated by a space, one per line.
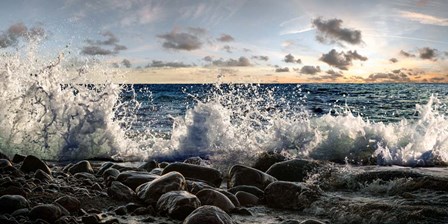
pixel 150 192
pixel 295 170
pixel 5 163
pixel 163 164
pixel 290 195
pixel 157 171
pixel 290 221
pixel 41 175
pixel 104 167
pixel 267 159
pixel 81 167
pixel 197 161
pixel 17 158
pixel 10 203
pixel 71 204
pixel 195 186
pixel 247 199
pixel 133 179
pixel 230 196
pixel 311 221
pixel 110 172
pixel 249 189
pixel 244 175
pixel 3 156
pixel 216 198
pixel 177 204
pixel 47 212
pixel 119 191
pixel 91 219
pixel 149 165
pixel 32 163
pixel 208 214
pixel 196 172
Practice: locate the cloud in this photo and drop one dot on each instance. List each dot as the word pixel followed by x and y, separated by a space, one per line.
pixel 289 58
pixel 261 58
pixel 228 49
pixel 182 41
pixel 428 53
pixel 208 58
pixel 162 64
pixel 225 38
pixel 240 62
pixel 341 60
pixel 334 74
pixel 393 60
pixel 330 31
pixel 424 18
pixel 285 69
pixel 109 46
pixel 310 70
pixel 406 54
pixel 126 63
pixel 398 75
pixel 18 31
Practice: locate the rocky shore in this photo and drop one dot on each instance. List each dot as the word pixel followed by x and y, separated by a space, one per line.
pixel 273 190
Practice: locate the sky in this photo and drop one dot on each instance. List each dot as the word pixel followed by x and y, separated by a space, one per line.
pixel 288 41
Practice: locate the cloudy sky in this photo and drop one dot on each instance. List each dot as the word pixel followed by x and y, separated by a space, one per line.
pixel 242 40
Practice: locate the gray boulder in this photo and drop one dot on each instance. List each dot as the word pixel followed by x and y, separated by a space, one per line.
pixel 150 192
pixel 177 204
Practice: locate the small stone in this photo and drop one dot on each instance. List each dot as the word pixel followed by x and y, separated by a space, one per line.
pixel 81 167
pixel 119 191
pixel 21 212
pixel 85 175
pixel 295 170
pixel 195 186
pixel 47 212
pixel 150 165
pixel 156 171
pixel 242 211
pixel 290 195
pixel 72 204
pixel 208 214
pixel 17 158
pixel 32 163
pixel 133 179
pixel 41 175
pixel 150 192
pixel 247 199
pixel 212 197
pixel 10 203
pixel 13 190
pixel 4 163
pixel 177 204
pixel 110 172
pixel 196 172
pixel 163 164
pixel 244 175
pixel 104 167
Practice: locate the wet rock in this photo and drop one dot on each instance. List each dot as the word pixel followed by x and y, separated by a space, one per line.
pixel 148 166
pixel 10 203
pixel 177 204
pixel 5 163
pixel 41 175
pixel 230 196
pixel 110 172
pixel 290 195
pixel 150 192
pixel 156 171
pixel 295 170
pixel 71 204
pixel 247 199
pixel 242 211
pixel 84 175
pixel 212 197
pixel 197 161
pixel 311 221
pixel 91 219
pixel 195 186
pixel 119 191
pixel 17 158
pixel 208 214
pixel 32 163
pixel 267 159
pixel 47 212
pixel 196 172
pixel 243 175
pixel 163 164
pixel 81 167
pixel 104 167
pixel 249 189
pixel 133 179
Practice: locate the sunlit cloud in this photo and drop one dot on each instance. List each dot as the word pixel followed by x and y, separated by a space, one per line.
pixel 424 18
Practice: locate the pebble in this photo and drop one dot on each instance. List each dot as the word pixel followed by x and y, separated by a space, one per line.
pixel 247 199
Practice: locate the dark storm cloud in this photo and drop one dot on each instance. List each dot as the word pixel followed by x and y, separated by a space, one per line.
pixel 240 62
pixel 393 60
pixel 341 59
pixel 126 63
pixel 15 32
pixel 428 53
pixel 162 64
pixel 183 41
pixel 225 38
pixel 310 70
pixel 406 54
pixel 260 57
pixel 285 69
pixel 289 58
pixel 109 46
pixel 331 31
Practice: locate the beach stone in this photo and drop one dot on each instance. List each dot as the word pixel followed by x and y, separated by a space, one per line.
pixel 311 221
pixel 195 186
pixel 10 203
pixel 4 156
pixel 295 170
pixel 249 189
pixel 17 158
pixel 215 198
pixel 177 204
pixel 150 165
pixel 47 212
pixel 103 168
pixel 267 159
pixel 196 172
pixel 84 175
pixel 290 221
pixel 32 163
pixel 110 172
pixel 119 191
pixel 208 214
pixel 5 163
pixel 13 190
pixel 247 199
pixel 150 192
pixel 196 160
pixel 163 164
pixel 244 175
pixel 230 196
pixel 91 219
pixel 156 171
pixel 81 167
pixel 71 204
pixel 41 175
pixel 133 179
pixel 289 195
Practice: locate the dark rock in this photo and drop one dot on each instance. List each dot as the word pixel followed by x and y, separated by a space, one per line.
pixel 133 179
pixel 84 175
pixel 267 159
pixel 32 163
pixel 81 167
pixel 163 164
pixel 4 163
pixel 150 165
pixel 119 191
pixel 6 220
pixel 41 175
pixel 243 175
pixel 195 186
pixel 247 199
pixel 150 192
pixel 290 195
pixel 21 212
pixel 295 170
pixel 249 189
pixel 47 212
pixel 14 190
pixel 10 203
pixel 17 158
pixel 290 221
pixel 311 221
pixel 91 219
pixel 230 196
pixel 110 172
pixel 208 214
pixel 71 204
pixel 197 161
pixel 130 207
pixel 218 199
pixel 144 211
pixel 104 167
pixel 177 204
pixel 242 211
pixel 3 156
pixel 122 210
pixel 156 171
pixel 195 172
